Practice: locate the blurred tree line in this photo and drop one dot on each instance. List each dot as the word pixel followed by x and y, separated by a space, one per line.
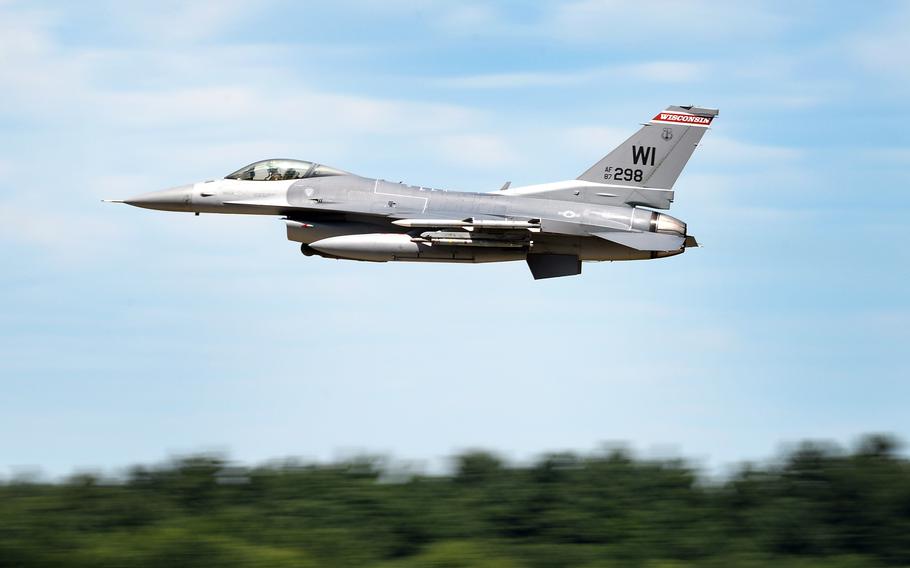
pixel 816 506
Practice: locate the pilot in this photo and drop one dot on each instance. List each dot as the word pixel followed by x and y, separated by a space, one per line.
pixel 274 174
pixel 291 174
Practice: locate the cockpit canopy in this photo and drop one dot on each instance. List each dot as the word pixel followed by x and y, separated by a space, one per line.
pixel 270 170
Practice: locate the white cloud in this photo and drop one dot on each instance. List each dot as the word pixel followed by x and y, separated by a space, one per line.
pixel 653 71
pixel 891 322
pixel 260 109
pixel 120 185
pixel 883 48
pixel 665 71
pixel 226 85
pixel 476 151
pixel 201 105
pixel 776 100
pixel 68 237
pixel 33 68
pixel 897 156
pixel 518 80
pixel 466 18
pixel 610 21
pixel 185 21
pixel 593 139
pixel 54 85
pixel 729 151
pixel 614 20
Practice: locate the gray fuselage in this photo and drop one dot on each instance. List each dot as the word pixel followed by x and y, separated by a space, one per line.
pixel 325 207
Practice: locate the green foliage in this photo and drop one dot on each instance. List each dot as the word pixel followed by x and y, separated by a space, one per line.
pixel 818 506
pixel 456 554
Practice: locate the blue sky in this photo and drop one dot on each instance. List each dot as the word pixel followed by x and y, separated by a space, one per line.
pixel 129 335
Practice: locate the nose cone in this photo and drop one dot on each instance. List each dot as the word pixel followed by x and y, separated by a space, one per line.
pixel 174 199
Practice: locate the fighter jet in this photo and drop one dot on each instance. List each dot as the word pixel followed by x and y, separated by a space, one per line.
pixel 607 213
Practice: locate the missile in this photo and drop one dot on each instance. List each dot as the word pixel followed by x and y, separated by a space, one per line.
pixel 469 222
pixel 427 223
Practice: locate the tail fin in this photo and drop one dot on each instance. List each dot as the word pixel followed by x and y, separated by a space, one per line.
pixel 655 155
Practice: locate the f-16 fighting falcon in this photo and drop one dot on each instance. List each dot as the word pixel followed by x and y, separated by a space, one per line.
pixel 604 214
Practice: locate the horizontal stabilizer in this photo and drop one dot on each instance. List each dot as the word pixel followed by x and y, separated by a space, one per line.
pixel 553 265
pixel 644 241
pixel 599 193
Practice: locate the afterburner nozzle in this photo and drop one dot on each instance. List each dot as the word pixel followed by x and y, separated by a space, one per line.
pixel 670 225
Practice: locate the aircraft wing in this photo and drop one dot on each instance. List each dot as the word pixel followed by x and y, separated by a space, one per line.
pixel 473 231
pixel 601 194
pixel 500 233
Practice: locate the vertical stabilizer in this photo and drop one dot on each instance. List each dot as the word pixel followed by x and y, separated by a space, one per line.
pixel 655 155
